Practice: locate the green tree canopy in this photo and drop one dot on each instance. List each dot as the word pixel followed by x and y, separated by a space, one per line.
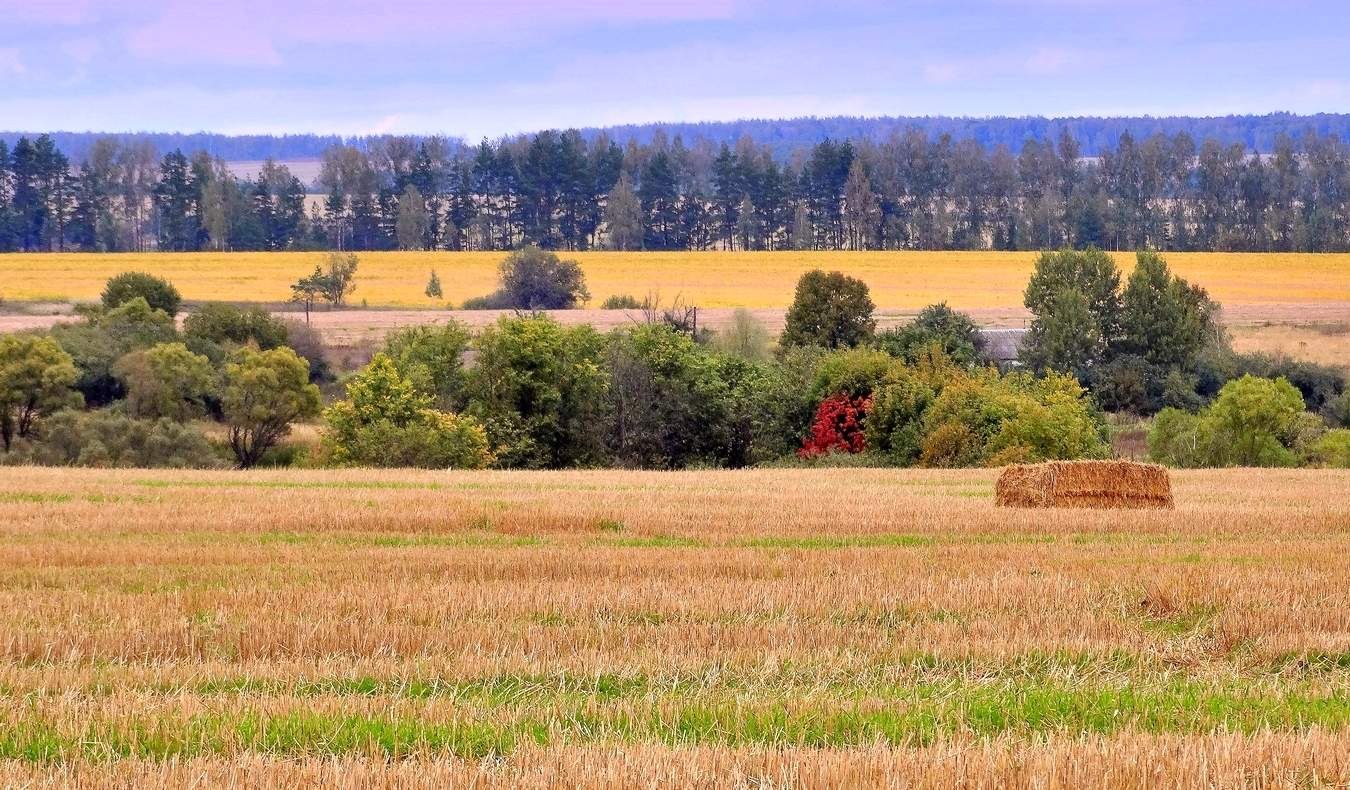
pixel 829 310
pixel 156 291
pixel 36 379
pixel 265 391
pixel 166 380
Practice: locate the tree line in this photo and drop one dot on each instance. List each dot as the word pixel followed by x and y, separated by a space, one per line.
pixel 529 392
pixel 563 190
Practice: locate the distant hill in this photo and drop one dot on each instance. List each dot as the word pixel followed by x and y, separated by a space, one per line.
pixel 1255 132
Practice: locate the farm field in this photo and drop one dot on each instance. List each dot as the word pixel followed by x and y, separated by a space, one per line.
pixel 766 627
pixel 900 280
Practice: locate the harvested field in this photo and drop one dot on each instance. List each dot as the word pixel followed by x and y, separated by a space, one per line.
pixel 1084 484
pixel 900 280
pixel 769 627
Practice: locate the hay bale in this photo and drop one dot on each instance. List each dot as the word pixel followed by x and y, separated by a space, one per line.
pixel 1084 484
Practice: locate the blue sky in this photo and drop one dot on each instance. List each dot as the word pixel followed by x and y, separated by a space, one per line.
pixel 491 67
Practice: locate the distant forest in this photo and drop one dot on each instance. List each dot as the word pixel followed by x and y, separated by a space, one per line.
pixel 681 189
pixel 1093 135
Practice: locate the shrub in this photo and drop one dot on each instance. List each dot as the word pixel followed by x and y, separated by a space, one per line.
pixel 265 391
pixel 36 379
pixel 166 380
pixel 854 372
pixel 386 421
pixel 1333 449
pixel 895 420
pixel 621 302
pixel 537 387
pixel 1253 422
pixel 229 326
pixel 667 404
pixel 431 358
pixel 306 341
pixel 837 427
pixel 157 292
pixel 829 310
pixel 108 438
pixel 937 326
pixel 106 336
pixel 746 337
pixel 433 289
pixel 535 279
pixel 1340 409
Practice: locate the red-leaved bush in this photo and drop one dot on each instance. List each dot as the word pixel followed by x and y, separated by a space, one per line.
pixel 837 427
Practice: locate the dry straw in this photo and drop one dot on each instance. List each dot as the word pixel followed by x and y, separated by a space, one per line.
pixel 1084 484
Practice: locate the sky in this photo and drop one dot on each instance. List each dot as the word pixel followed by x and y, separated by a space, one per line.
pixel 493 67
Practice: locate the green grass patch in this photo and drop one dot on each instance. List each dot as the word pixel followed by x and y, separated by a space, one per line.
pixel 838 542
pixel 915 715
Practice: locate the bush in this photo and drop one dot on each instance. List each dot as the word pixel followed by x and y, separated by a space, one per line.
pixel 166 380
pixel 940 415
pixel 432 358
pixel 108 438
pixel 106 336
pixel 855 372
pixel 306 341
pixel 535 279
pixel 385 421
pixel 1321 386
pixel 746 337
pixel 667 404
pixel 1340 410
pixel 1253 422
pixel 157 292
pixel 537 387
pixel 936 327
pixel 621 302
pixel 837 427
pixel 36 377
pixel 829 310
pixel 229 326
pixel 1333 449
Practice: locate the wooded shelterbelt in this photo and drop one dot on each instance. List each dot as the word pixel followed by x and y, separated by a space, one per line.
pixel 573 190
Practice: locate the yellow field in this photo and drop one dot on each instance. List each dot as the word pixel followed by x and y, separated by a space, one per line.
pixel 967 280
pixel 758 628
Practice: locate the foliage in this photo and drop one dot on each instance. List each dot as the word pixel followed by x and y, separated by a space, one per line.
pixel 829 310
pixel 156 291
pixel 264 392
pixel 166 380
pixel 1164 319
pixel 537 387
pixel 432 359
pixel 226 326
pixel 109 438
pixel 853 372
pixel 746 337
pixel 1333 449
pixel 837 427
pixel 106 336
pixel 937 326
pixel 621 302
pixel 667 403
pixel 386 421
pixel 332 282
pixel 433 289
pixel 1253 422
pixel 534 279
pixel 36 379
pixel 306 341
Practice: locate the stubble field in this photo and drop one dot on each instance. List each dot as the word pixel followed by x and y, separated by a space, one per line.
pixel 769 627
